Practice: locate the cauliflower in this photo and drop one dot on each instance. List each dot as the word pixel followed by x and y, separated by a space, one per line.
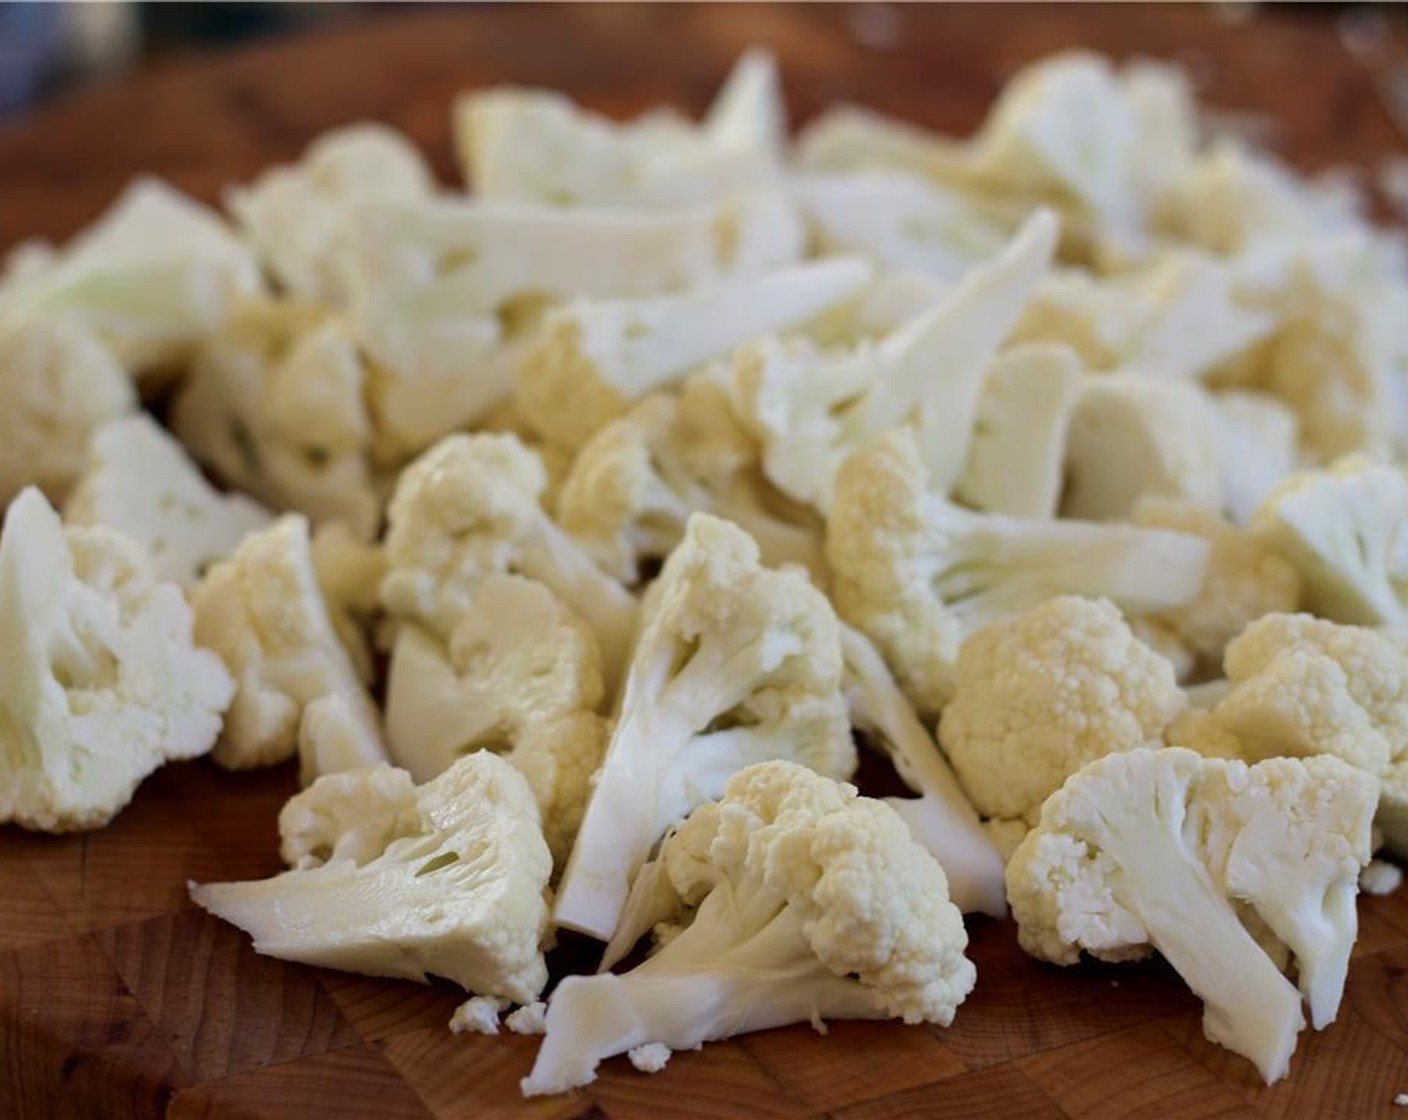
pixel 296 216
pixel 468 509
pixel 140 482
pixel 520 674
pixel 1257 440
pixel 1245 579
pixel 918 574
pixel 1200 859
pixel 335 735
pixel 100 683
pixel 1040 695
pixel 851 139
pixel 534 145
pixel 151 278
pixel 441 292
pixel 263 613
pixel 593 358
pixel 1135 436
pixel 276 407
pixel 631 489
pixel 60 385
pixel 734 664
pixel 941 819
pixel 353 815
pixel 811 409
pixel 1380 878
pixel 1343 529
pixel 800 902
pixel 349 575
pixel 461 895
pixel 1017 452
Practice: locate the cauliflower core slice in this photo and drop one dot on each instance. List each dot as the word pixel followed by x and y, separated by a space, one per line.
pixel 917 574
pixel 140 482
pixel 734 664
pixel 799 902
pixel 461 895
pixel 100 683
pixel 1167 850
pixel 263 613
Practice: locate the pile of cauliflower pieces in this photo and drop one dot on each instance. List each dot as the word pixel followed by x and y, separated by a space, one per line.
pixel 575 532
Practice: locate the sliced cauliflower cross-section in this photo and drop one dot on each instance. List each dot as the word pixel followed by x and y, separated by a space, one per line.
pixel 799 901
pixel 353 814
pixel 100 683
pixel 459 891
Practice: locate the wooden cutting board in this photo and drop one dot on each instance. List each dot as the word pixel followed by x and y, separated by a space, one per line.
pixel 118 999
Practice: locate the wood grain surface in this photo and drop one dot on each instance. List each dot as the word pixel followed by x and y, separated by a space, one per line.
pixel 117 999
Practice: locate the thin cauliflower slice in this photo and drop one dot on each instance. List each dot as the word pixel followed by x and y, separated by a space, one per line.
pixel 800 901
pixel 261 610
pixel 734 664
pixel 1040 695
pixel 1201 859
pixel 140 482
pixel 353 815
pixel 1245 578
pixel 100 683
pixel 520 675
pixel 462 895
pixel 633 487
pixel 60 384
pixel 918 574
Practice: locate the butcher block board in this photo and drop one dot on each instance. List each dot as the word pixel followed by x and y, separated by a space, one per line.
pixel 118 999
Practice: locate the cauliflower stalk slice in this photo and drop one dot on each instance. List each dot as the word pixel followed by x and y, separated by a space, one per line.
pixel 799 901
pixel 100 682
pixel 917 574
pixel 735 664
pixel 461 895
pixel 1168 850
pixel 810 409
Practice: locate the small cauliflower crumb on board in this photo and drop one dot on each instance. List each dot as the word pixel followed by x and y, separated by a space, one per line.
pixel 734 592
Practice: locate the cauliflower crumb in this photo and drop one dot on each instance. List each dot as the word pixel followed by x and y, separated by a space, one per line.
pixel 529 1019
pixel 1380 878
pixel 478 1015
pixel 1401 1100
pixel 650 1058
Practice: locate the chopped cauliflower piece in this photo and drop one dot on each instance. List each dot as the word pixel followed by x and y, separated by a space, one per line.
pixel 811 409
pixel 59 385
pixel 800 901
pixel 463 895
pixel 917 574
pixel 335 735
pixel 261 610
pixel 734 664
pixel 140 482
pixel 593 358
pixel 100 683
pixel 1167 850
pixel 297 215
pixel 349 573
pixel 351 815
pixel 1040 695
pixel 1257 440
pixel 850 138
pixel 652 1057
pixel 1380 878
pixel 1017 452
pixel 519 674
pixel 477 1015
pixel 1136 436
pixel 531 1018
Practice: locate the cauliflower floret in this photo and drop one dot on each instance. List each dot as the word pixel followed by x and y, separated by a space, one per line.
pixel 262 612
pixel 593 358
pixel 811 409
pixel 462 895
pixel 335 735
pixel 477 1015
pixel 296 215
pixel 353 815
pixel 734 664
pixel 1257 439
pixel 1017 453
pixel 152 277
pixel 918 574
pixel 1245 579
pixel 632 488
pixel 140 482
pixel 1344 530
pixel 100 683
pixel 467 510
pixel 59 385
pixel 350 572
pixel 1166 849
pixel 851 138
pixel 1380 878
pixel 520 675
pixel 800 901
pixel 1135 436
pixel 276 407
pixel 1040 695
